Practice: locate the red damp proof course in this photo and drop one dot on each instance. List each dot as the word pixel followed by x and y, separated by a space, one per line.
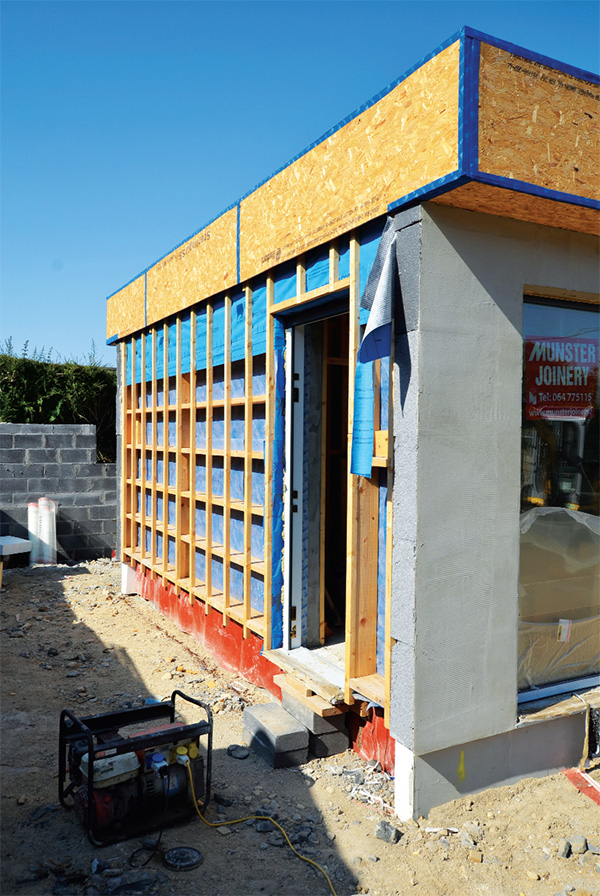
pixel 584 783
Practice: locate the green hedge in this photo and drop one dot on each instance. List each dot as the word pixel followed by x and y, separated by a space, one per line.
pixel 36 391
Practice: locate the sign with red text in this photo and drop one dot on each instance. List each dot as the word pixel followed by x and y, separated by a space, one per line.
pixel 561 377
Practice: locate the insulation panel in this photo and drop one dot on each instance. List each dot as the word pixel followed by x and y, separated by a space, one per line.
pixel 537 124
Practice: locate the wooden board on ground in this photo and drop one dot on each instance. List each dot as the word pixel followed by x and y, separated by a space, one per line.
pixel 306 673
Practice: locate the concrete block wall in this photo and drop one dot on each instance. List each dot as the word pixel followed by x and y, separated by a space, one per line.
pixel 59 462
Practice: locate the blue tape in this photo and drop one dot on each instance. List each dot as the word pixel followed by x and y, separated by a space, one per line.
pixel 520 186
pixel 430 191
pixel 468 106
pixel 362 428
pixel 113 339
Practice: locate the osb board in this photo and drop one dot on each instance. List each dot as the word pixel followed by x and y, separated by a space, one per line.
pixel 537 124
pixel 406 140
pixel 523 207
pixel 125 310
pixel 204 265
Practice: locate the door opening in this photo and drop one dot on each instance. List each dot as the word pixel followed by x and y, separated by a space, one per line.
pixel 316 483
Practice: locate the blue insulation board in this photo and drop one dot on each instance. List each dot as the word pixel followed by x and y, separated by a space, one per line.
pixel 160 353
pixel 200 566
pixel 259 318
pixel 284 282
pixel 238 326
pixel 148 363
pixel 236 480
pixel 317 268
pixel 201 339
pixel 236 582
pixel 218 332
pixel 200 520
pixel 172 349
pixel 381 572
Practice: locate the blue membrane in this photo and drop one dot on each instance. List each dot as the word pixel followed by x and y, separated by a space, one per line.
pixel 317 268
pixel 218 332
pixel 259 318
pixel 159 544
pixel 171 507
pixel 284 282
pixel 200 520
pixel 200 566
pixel 238 326
pixel 200 477
pixel 171 551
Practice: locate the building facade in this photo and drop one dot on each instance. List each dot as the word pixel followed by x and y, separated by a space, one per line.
pixel 359 445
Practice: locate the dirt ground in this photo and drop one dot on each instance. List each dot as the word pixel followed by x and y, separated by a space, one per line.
pixel 70 640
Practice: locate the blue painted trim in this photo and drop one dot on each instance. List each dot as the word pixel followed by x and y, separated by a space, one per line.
pixel 436 188
pixel 238 242
pixel 520 186
pixel 113 339
pixel 469 108
pixel 532 55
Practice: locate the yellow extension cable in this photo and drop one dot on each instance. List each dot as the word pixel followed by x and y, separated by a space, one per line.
pixel 219 824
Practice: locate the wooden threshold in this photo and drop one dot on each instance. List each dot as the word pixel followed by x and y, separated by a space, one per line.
pixel 309 671
pixel 301 692
pixel 370 686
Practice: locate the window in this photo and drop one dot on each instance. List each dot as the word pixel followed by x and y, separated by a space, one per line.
pixel 559 585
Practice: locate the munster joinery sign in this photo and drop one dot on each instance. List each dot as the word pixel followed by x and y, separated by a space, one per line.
pixel 561 377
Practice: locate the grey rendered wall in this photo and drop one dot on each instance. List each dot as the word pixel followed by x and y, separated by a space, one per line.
pixel 455 603
pixel 59 462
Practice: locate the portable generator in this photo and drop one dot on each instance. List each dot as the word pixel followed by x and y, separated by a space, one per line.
pixel 126 778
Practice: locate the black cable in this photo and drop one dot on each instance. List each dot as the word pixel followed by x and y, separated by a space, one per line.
pixel 167 775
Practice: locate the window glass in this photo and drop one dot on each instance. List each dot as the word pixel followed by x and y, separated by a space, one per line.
pixel 559 585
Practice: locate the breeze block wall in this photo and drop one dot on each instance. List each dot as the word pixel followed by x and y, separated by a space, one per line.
pixel 59 462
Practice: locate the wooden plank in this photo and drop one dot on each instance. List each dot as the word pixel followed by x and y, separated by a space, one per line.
pixel 364 616
pixel 192 461
pixel 316 683
pixel 248 408
pixel 351 662
pixel 537 124
pixel 126 450
pixel 401 143
pixel 389 544
pixel 269 435
pixel 334 263
pixel 370 686
pixel 304 695
pixel 319 292
pixel 154 452
pixel 227 462
pixel 209 413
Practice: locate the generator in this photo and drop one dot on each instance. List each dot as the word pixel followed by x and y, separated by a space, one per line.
pixel 132 771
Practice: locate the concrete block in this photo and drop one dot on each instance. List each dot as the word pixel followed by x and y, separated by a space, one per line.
pixel 275 727
pixel 27 440
pixel 315 723
pixel 38 456
pixel 85 499
pixel 6 439
pixel 77 456
pixel 86 470
pixel 286 759
pixel 34 471
pixel 321 745
pixel 75 514
pixel 85 440
pixel 102 512
pixel 13 455
pixel 60 440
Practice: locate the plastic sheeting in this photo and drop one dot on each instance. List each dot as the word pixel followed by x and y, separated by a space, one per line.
pixel 259 319
pixel 238 326
pixel 172 348
pixel 218 333
pixel 284 282
pixel 317 268
pixel 559 596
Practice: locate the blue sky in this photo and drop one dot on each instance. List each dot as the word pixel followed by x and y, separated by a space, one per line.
pixel 128 125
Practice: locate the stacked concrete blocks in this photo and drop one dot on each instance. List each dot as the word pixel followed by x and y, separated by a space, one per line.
pixel 59 462
pixel 327 736
pixel 275 735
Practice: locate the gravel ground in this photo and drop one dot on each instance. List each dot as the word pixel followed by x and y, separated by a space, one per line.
pixel 70 640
